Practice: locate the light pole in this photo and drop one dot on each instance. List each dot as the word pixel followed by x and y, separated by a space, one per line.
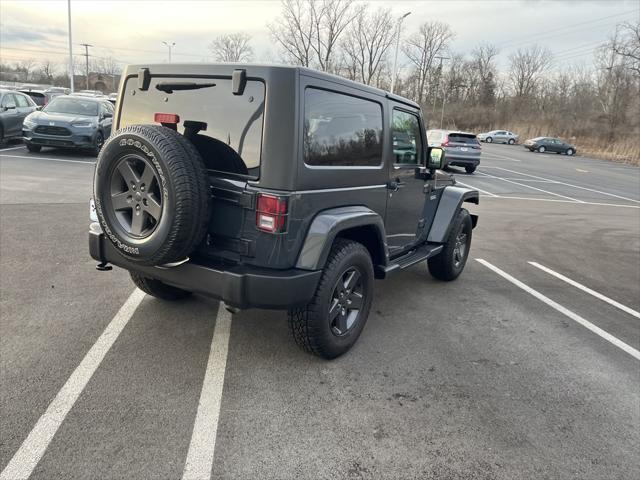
pixel 169 46
pixel 395 57
pixel 70 47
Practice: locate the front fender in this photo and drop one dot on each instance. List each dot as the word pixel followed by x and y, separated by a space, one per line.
pixel 328 224
pixel 450 202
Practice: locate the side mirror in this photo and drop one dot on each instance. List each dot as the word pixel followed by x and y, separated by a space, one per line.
pixel 436 158
pixel 107 115
pixel 10 106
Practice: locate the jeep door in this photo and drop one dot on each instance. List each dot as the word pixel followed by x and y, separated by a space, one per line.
pixel 405 187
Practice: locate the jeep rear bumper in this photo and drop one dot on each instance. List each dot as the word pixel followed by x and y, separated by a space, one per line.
pixel 238 286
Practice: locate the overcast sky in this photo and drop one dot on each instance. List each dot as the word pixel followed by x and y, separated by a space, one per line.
pixel 133 31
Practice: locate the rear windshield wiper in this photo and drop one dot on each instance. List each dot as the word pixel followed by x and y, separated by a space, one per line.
pixel 170 87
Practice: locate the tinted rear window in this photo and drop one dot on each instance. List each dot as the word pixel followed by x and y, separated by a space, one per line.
pixel 233 122
pixel 38 98
pixel 463 138
pixel 341 130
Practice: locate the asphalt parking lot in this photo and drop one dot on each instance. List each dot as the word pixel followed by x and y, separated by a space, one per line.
pixel 525 367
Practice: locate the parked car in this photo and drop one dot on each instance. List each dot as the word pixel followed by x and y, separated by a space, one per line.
pixel 113 97
pixel 71 122
pixel 499 136
pixel 42 97
pixel 88 93
pixel 462 148
pixel 14 108
pixel 281 194
pixel 549 144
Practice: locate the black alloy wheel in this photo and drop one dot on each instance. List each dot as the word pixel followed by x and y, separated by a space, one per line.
pixel 135 196
pixel 346 302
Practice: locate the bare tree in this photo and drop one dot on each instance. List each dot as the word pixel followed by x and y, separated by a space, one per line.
pixel 422 47
pixel 48 69
pixel 526 67
pixel 232 47
pixel 626 44
pixel 483 64
pixel 367 43
pixel 26 67
pixel 308 31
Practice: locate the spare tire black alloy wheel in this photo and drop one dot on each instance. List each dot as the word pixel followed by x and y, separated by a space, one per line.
pixel 346 302
pixel 136 198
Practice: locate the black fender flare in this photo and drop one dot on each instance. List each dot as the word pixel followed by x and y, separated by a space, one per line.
pixel 451 201
pixel 328 224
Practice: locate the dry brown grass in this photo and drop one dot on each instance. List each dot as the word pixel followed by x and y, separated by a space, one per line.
pixel 623 150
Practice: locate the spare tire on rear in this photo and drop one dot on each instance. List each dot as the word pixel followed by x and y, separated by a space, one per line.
pixel 151 194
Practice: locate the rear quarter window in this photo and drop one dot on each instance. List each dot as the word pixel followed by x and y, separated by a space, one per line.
pixel 341 130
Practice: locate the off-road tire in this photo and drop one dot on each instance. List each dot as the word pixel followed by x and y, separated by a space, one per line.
pixel 183 184
pixel 470 169
pixel 488 140
pixel 34 148
pixel 157 289
pixel 442 266
pixel 310 325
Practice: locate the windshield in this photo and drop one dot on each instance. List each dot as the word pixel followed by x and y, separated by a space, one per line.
pixel 73 106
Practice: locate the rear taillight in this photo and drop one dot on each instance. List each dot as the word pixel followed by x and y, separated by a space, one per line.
pixel 166 119
pixel 271 213
pixel 445 144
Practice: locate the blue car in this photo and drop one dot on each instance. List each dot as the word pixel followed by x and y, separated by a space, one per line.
pixel 69 122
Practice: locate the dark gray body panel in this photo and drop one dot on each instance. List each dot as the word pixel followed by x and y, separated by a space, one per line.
pixel 450 202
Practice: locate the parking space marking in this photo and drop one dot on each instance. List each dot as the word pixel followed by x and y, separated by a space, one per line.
pixel 476 188
pixel 501 157
pixel 30 452
pixel 567 184
pixel 565 311
pixel 12 148
pixel 531 187
pixel 47 158
pixel 532 199
pixel 588 290
pixel 199 463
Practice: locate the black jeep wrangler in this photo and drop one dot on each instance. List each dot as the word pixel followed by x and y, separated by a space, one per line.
pixel 273 187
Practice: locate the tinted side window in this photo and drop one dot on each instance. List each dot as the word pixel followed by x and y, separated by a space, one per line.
pixel 340 130
pixel 407 140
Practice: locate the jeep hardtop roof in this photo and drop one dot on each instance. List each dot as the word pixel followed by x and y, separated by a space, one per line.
pixel 256 70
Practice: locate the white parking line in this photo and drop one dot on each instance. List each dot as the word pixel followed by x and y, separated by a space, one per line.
pixel 565 311
pixel 476 188
pixel 501 157
pixel 567 184
pixel 509 197
pixel 199 461
pixel 531 187
pixel 36 443
pixel 604 298
pixel 12 148
pixel 29 157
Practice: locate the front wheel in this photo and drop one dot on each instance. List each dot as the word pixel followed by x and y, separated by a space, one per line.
pixel 570 151
pixel 511 141
pixel 489 140
pixel 541 149
pixel 98 143
pixel 450 262
pixel 332 321
pixel 158 289
pixel 34 148
pixel 470 169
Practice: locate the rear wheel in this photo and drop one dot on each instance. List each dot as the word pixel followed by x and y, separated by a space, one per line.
pixel 34 148
pixel 570 151
pixel 541 149
pixel 470 169
pixel 489 140
pixel 330 324
pixel 511 141
pixel 158 289
pixel 450 262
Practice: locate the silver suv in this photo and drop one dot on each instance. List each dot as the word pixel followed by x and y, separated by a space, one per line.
pixel 462 148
